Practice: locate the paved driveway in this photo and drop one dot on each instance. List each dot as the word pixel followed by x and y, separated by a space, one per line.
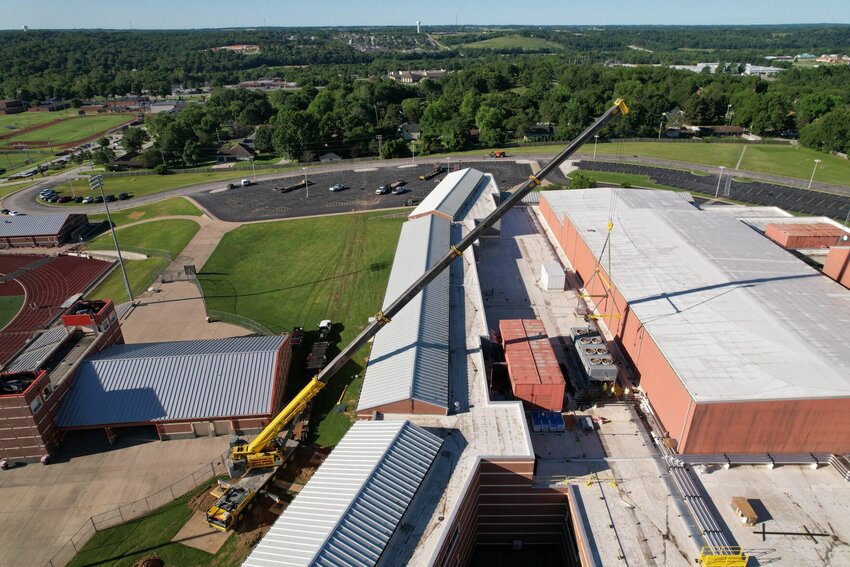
pixel 43 505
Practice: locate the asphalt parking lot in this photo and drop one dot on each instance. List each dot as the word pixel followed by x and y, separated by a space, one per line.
pixel 261 201
pixel 815 203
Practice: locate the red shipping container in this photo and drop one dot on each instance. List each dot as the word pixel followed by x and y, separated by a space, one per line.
pixel 535 374
pixel 804 235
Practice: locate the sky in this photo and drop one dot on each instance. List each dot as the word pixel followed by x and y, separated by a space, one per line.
pixel 174 14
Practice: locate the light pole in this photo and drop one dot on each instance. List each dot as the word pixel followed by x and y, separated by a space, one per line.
pixel 817 161
pixel 448 164
pixel 413 150
pixel 380 139
pixel 729 114
pixel 719 177
pixel 254 168
pixel 96 182
pixel 306 185
pixel 661 124
pixel 595 141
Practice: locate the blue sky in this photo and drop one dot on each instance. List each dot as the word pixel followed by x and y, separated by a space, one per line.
pixel 159 14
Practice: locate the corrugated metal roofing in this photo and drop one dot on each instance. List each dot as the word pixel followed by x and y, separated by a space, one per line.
pixel 41 348
pixel 451 195
pixel 410 356
pixel 737 317
pixel 32 225
pixel 174 381
pixel 350 509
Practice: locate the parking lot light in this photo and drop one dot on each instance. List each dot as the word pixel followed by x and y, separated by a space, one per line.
pixel 306 185
pixel 96 182
pixel 719 177
pixel 817 161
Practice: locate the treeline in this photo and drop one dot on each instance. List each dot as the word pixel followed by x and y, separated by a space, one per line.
pixel 496 102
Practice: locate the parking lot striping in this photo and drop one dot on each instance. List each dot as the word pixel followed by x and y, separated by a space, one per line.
pixel 365 169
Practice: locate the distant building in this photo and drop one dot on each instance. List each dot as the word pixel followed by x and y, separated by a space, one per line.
pixel 540 131
pixel 806 56
pixel 329 157
pixel 410 77
pixel 242 48
pixel 11 106
pixel 410 131
pixel 237 152
pixel 171 106
pixel 40 230
pixel 760 71
pixel 272 84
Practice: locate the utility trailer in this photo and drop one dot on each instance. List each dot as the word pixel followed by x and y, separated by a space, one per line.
pixel 317 358
pixel 438 169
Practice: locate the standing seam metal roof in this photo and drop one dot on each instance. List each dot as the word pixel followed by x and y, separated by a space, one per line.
pixel 410 356
pixel 348 512
pixel 174 381
pixel 41 348
pixel 451 195
pixel 32 225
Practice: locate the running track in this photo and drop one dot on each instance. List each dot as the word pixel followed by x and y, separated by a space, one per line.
pixel 46 288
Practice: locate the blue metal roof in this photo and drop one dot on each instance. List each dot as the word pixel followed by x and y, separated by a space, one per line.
pixel 350 509
pixel 410 357
pixel 146 382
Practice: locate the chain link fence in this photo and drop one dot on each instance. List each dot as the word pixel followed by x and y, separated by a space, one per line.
pixel 133 510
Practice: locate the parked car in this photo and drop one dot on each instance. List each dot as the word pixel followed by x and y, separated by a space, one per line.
pixel 65 199
pixel 297 336
pixel 53 199
pixel 110 198
pixel 412 202
pixel 246 182
pixel 123 196
pixel 400 190
pixel 338 187
pixel 98 199
pixel 78 199
pixel 5 211
pixel 230 186
pixel 16 214
pixel 383 190
pixel 88 200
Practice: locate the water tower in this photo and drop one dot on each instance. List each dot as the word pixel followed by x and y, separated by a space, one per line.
pixel 417 25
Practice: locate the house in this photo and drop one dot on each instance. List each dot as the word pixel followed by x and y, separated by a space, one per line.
pixel 410 77
pixel 92 109
pixel 540 131
pixel 237 152
pixel 761 71
pixel 11 106
pixel 722 131
pixel 329 157
pixel 410 131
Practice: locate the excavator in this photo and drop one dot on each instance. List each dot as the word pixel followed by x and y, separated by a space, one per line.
pixel 253 464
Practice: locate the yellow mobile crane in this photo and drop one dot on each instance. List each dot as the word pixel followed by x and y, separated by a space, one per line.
pixel 252 465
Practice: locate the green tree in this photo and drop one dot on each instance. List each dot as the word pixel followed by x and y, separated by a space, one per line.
pixel 579 180
pixel 103 156
pixel 191 152
pixel 490 121
pixel 412 109
pixel 264 139
pixel 828 133
pixel 103 142
pixel 133 139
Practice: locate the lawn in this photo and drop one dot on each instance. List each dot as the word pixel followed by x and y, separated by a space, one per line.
pixel 170 236
pixel 72 129
pixel 515 42
pixel 9 307
pixel 632 179
pixel 782 160
pixel 142 185
pixel 10 122
pixel 298 272
pixel 122 546
pixel 168 207
pixel 13 161
pixel 141 274
pixel 12 187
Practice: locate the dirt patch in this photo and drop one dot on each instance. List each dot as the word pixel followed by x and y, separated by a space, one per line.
pixel 150 561
pixel 202 501
pixel 136 215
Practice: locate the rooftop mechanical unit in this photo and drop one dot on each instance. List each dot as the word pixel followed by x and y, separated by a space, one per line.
pixel 598 362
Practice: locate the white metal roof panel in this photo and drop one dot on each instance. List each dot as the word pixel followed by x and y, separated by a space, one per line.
pixel 351 507
pixel 139 383
pixel 32 225
pixel 737 317
pixel 410 356
pixel 38 350
pixel 451 195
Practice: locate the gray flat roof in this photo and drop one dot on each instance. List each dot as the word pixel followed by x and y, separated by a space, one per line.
pixel 451 195
pixel 737 317
pixel 350 509
pixel 139 383
pixel 410 357
pixel 38 350
pixel 32 225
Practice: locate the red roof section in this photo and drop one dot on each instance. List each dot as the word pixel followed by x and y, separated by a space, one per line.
pixel 528 352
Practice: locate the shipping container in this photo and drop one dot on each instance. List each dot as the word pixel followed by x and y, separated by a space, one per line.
pixel 534 372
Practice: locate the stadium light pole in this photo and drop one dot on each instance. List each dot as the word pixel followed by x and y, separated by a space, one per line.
pixel 719 177
pixel 254 168
pixel 96 182
pixel 595 141
pixel 817 161
pixel 413 150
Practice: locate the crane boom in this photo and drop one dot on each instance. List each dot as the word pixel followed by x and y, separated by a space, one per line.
pixel 260 451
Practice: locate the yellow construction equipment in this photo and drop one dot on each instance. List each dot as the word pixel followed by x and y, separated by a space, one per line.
pixel 723 556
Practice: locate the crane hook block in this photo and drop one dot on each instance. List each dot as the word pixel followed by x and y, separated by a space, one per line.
pixel 621 104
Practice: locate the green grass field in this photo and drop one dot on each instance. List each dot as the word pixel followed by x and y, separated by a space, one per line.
pixel 170 236
pixel 141 274
pixel 626 178
pixel 13 161
pixel 11 122
pixel 9 307
pixel 298 272
pixel 168 207
pixel 72 129
pixel 787 161
pixel 12 187
pixel 122 546
pixel 515 42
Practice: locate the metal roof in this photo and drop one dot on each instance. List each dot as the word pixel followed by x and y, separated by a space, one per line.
pixel 410 356
pixel 737 317
pixel 38 350
pixel 32 225
pixel 354 503
pixel 451 195
pixel 139 383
